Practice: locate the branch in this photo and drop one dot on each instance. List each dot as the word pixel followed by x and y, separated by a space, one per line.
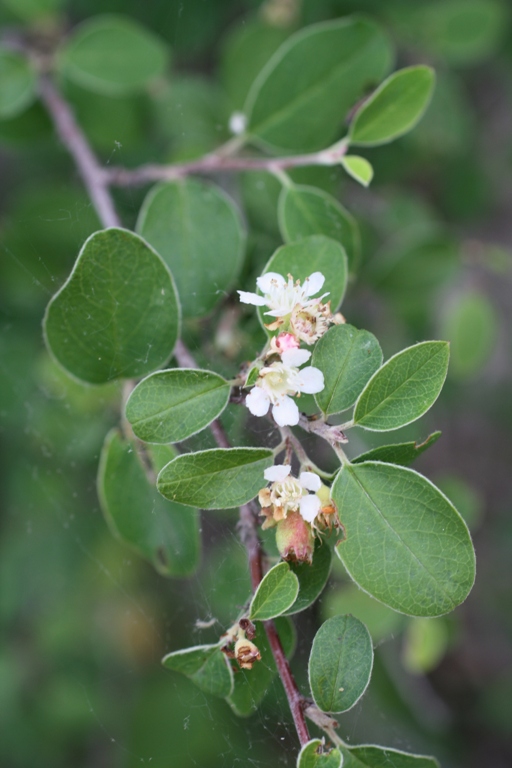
pixel 329 432
pixel 95 181
pixel 249 536
pixel 119 176
pixel 78 147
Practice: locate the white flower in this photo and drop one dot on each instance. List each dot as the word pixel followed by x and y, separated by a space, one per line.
pixel 288 494
pixel 277 381
pixel 281 296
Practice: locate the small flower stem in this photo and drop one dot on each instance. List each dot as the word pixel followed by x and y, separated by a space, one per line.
pixel 298 449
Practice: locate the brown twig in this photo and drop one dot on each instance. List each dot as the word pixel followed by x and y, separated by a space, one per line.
pixel 95 181
pixel 214 162
pixel 78 147
pixel 249 536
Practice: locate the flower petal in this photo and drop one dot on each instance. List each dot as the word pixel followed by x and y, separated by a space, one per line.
pixel 285 412
pixel 257 401
pixel 313 283
pixel 251 298
pixel 310 481
pixel 309 507
pixel 310 380
pixel 295 357
pixel 277 473
pixel 269 281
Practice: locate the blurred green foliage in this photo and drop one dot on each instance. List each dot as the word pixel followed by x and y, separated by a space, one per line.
pixel 84 621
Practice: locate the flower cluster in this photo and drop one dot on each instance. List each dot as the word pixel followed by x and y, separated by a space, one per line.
pixel 298 507
pixel 280 380
pixel 291 305
pixel 299 317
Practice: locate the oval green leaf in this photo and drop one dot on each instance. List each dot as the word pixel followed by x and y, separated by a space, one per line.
pixel 206 666
pixel 348 358
pixel 314 755
pixel 161 531
pixel 406 386
pixel 117 315
pixel 197 230
pixel 17 83
pixel 305 211
pixel 169 406
pixel 276 592
pixel 395 107
pixel 340 663
pixel 399 453
pixel 359 168
pixel 370 756
pixel 252 685
pixel 219 478
pixel 312 578
pixel 112 55
pixel 337 61
pixel 406 544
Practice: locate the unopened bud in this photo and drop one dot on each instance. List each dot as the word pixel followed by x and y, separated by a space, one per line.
pixel 248 627
pixel 246 653
pixel 294 539
pixel 283 342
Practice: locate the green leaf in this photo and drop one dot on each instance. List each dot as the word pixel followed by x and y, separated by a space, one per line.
pixel 399 453
pixel 395 107
pixel 300 98
pixel 340 663
pixel 406 386
pixel 117 315
pixel 312 578
pixel 305 211
pixel 314 254
pixel 464 32
pixel 112 55
pixel 314 755
pixel 370 756
pixel 406 545
pixel 245 52
pixel 170 406
pixel 380 620
pixel 163 532
pixel 206 666
pixel 348 358
pixel 359 168
pixel 215 479
pixel 17 83
pixel 251 686
pixel 276 592
pixel 197 229
pixel 426 642
pixel 471 326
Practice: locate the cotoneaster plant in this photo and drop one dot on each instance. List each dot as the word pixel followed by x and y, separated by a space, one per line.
pixel 133 296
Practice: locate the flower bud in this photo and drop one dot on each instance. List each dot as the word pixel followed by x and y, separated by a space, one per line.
pixel 246 653
pixel 294 539
pixel 284 342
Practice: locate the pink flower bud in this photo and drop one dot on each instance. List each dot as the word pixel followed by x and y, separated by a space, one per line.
pixel 294 539
pixel 285 341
